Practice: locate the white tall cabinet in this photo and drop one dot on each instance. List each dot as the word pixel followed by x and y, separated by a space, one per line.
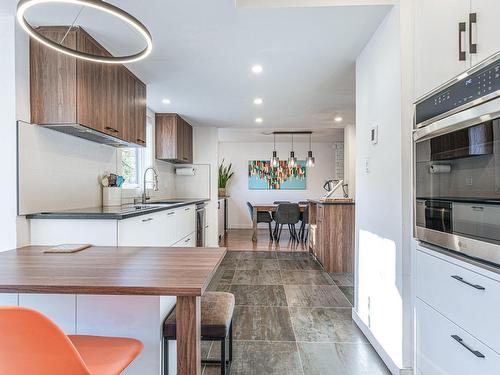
pixel 439 26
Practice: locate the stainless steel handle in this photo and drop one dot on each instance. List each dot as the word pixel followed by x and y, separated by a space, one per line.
pixel 461 31
pixel 187 209
pixel 170 213
pixel 458 339
pixel 187 240
pixel 146 220
pixel 472 21
pixel 478 208
pixel 475 286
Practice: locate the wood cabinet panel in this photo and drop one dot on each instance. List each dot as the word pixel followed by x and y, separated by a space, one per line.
pixel 53 80
pixel 103 97
pixel 174 138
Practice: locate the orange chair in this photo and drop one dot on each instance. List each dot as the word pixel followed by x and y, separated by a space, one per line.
pixel 30 343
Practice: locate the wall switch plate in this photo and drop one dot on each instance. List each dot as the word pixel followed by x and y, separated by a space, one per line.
pixel 468 181
pixel 367 165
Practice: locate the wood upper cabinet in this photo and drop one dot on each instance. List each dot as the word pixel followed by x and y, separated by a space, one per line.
pixel 103 97
pixel 174 138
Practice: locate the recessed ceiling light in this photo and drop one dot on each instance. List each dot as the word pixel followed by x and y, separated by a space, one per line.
pixel 257 69
pixel 258 101
pixel 338 119
pixel 166 101
pixel 258 120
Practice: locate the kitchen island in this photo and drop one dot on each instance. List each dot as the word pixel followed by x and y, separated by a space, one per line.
pixel 117 291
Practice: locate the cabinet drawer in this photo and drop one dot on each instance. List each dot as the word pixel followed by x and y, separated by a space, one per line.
pixel 467 298
pixel 144 230
pixel 188 241
pixel 185 221
pixel 439 351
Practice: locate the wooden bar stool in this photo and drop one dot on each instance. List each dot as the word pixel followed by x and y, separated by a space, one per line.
pixel 30 343
pixel 216 325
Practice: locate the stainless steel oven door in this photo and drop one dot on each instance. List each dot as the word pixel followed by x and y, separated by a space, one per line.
pixel 457 182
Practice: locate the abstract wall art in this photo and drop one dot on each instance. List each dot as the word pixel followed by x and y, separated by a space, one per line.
pixel 262 176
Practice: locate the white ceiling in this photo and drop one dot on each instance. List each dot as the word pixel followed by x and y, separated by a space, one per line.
pixel 234 134
pixel 203 52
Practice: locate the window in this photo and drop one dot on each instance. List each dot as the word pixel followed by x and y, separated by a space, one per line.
pixel 133 161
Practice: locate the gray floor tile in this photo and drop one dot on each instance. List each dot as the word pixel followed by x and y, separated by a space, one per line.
pixel 262 323
pixel 300 264
pixel 325 325
pixel 258 264
pixel 348 292
pixel 342 279
pixel 305 278
pixel 253 255
pixel 266 358
pixel 259 295
pixel 222 276
pixel 230 260
pixel 256 277
pixel 315 296
pixel 293 255
pixel 340 359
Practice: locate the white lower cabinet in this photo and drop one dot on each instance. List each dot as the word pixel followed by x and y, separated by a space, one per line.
pixel 457 317
pixel 443 348
pixel 188 241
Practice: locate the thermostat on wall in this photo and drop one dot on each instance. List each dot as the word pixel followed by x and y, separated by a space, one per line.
pixel 374 135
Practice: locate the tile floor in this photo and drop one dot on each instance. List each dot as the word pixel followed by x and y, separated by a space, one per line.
pixel 290 318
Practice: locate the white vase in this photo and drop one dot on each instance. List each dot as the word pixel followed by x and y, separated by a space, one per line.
pixel 111 196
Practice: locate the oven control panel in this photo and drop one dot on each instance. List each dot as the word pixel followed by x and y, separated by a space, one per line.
pixel 472 87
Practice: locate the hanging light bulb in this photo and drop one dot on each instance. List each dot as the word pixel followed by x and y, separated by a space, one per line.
pixel 292 160
pixel 310 158
pixel 275 161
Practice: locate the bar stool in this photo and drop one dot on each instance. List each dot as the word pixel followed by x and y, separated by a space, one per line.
pixel 31 343
pixel 216 325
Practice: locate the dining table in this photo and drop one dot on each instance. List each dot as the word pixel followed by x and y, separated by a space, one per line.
pixel 267 207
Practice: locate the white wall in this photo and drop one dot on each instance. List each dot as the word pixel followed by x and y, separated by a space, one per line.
pixel 240 153
pixel 383 192
pixel 350 159
pixel 8 238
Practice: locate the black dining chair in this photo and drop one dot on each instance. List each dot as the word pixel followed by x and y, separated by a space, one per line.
pixel 304 226
pixel 262 217
pixel 286 214
pixel 273 214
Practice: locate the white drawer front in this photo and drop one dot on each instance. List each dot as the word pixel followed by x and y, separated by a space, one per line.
pixel 438 353
pixel 467 298
pixel 185 221
pixel 188 241
pixel 144 230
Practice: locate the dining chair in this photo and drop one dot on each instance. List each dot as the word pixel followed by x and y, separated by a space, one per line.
pixel 262 217
pixel 304 226
pixel 31 343
pixel 286 214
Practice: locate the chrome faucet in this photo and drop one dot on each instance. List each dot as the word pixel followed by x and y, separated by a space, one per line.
pixel 145 196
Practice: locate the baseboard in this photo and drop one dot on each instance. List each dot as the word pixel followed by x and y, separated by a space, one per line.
pixel 393 368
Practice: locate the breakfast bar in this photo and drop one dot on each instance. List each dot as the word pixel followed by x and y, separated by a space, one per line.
pixel 121 291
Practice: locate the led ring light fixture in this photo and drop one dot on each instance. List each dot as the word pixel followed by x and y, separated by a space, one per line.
pixel 24 5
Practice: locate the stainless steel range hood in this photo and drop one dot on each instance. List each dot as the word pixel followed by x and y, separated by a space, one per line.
pixel 81 131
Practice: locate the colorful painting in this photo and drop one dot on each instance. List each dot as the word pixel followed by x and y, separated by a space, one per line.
pixel 261 176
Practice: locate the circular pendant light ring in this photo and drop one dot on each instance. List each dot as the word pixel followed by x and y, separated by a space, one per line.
pixel 24 5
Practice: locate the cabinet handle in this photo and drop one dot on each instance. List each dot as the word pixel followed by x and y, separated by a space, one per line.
pixel 187 209
pixel 478 208
pixel 187 240
pixel 140 140
pixel 146 220
pixel 112 129
pixel 170 213
pixel 458 339
pixel 461 30
pixel 475 286
pixel 472 21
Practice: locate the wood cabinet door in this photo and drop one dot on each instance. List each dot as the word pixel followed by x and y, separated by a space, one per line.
pixel 184 141
pixel 486 30
pixel 436 42
pixel 53 79
pixel 140 113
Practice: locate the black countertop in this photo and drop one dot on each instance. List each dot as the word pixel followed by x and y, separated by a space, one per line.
pixel 319 201
pixel 463 200
pixel 117 212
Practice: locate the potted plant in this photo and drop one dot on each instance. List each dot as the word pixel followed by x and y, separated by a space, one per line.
pixel 224 175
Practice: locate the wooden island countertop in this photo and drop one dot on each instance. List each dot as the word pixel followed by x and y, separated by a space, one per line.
pixel 158 271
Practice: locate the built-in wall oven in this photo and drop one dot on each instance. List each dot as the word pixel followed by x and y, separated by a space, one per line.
pixel 457 164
